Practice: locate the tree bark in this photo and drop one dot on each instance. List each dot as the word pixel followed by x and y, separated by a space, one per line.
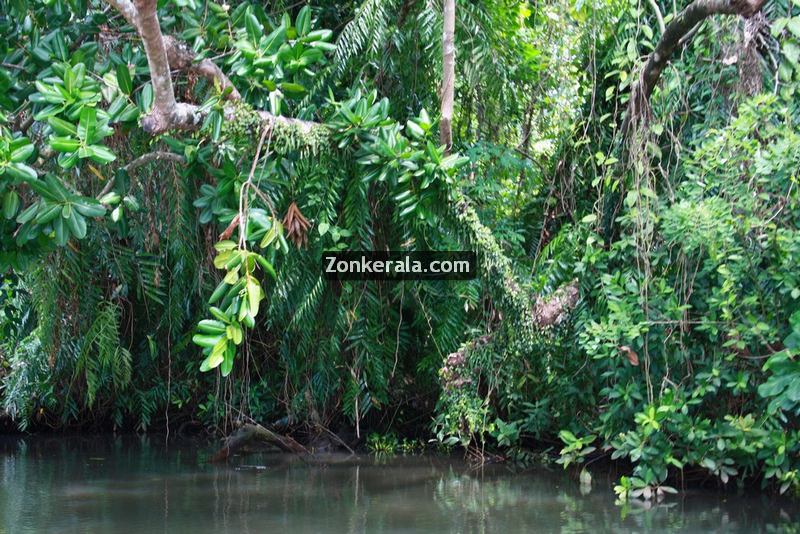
pixel 181 58
pixel 554 308
pixel 164 100
pixel 448 73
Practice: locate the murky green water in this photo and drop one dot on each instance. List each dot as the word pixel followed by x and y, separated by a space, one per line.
pixel 104 484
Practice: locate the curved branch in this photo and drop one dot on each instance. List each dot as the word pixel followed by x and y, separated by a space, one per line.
pixel 659 17
pixel 680 26
pixel 179 55
pixel 248 433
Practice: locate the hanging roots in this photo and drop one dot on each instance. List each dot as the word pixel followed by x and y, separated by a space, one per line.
pixel 635 126
pixel 296 226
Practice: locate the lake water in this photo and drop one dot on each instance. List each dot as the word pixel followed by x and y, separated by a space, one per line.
pixel 132 484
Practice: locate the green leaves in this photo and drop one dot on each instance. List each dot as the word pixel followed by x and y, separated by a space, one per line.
pixel 292 89
pixel 67 94
pixel 303 21
pixel 87 127
pixel 254 28
pixel 236 302
pixel 61 127
pixel 89 207
pixel 783 385
pixel 576 449
pixel 81 141
pixel 10 204
pixel 415 167
pixel 21 150
pixel 124 79
pixel 415 130
pixel 218 338
pixel 64 144
pixel 790 44
pixel 59 214
pixel 793 25
pixel 278 57
pixel 75 222
pixel 14 152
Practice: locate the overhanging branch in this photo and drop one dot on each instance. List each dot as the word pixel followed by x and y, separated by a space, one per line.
pixel 181 58
pixel 672 37
pixel 164 54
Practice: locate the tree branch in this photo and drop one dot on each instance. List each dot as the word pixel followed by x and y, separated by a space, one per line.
pixel 167 53
pixel 248 433
pixel 181 58
pixel 681 25
pixel 143 160
pixel 552 309
pixel 659 17
pixel 164 104
pixel 126 9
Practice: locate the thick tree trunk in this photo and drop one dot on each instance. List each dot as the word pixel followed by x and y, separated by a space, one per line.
pixel 448 73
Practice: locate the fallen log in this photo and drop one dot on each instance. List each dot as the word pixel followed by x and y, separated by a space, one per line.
pixel 552 310
pixel 248 433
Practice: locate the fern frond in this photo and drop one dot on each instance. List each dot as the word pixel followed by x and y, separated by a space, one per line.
pixel 365 34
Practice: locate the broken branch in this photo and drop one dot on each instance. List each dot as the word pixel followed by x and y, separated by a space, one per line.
pixel 248 433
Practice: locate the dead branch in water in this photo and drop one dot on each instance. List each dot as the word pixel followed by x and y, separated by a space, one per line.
pixel 248 433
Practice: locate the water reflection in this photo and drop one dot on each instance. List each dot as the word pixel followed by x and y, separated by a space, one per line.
pixel 132 484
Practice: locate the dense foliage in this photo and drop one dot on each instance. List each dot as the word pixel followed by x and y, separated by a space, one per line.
pixel 173 278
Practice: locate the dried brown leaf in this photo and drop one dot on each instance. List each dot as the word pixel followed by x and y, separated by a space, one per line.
pixel 629 353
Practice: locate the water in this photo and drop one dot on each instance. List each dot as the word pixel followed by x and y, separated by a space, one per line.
pixel 106 484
